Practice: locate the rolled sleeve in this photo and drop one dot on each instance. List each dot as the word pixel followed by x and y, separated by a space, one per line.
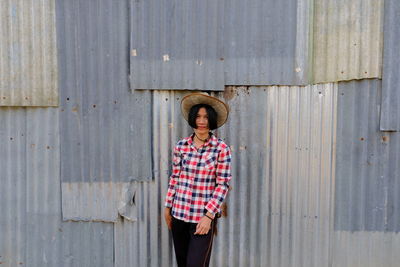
pixel 173 180
pixel 223 176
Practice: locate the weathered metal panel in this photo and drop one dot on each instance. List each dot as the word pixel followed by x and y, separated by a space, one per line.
pixel 42 187
pixel 365 249
pixel 367 163
pixel 390 114
pixel 13 186
pixel 177 45
pixel 49 241
pixel 28 54
pixel 147 241
pixel 266 42
pixel 32 232
pixel 348 36
pixel 105 129
pixel 279 211
pixel 98 201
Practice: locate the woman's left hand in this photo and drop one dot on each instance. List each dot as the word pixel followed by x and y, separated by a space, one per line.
pixel 203 226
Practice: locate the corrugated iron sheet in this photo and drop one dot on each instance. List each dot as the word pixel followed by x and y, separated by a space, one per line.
pixel 365 249
pixel 28 54
pixel 98 201
pixel 32 232
pixel 348 36
pixel 177 45
pixel 266 42
pixel 279 211
pixel 390 114
pixel 13 187
pixel 206 44
pixel 367 168
pixel 105 128
pixel 367 181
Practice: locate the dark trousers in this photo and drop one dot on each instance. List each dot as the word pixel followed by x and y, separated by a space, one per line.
pixel 191 250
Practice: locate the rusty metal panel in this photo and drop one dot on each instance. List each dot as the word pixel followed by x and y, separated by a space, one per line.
pixel 176 45
pixel 266 42
pixel 279 211
pixel 28 53
pixel 348 36
pixel 390 114
pixel 105 128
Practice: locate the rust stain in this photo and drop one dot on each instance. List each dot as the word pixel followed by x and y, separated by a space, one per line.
pixel 224 210
pixel 385 138
pixel 230 92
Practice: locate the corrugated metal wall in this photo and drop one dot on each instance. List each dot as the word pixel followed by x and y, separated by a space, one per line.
pixel 103 124
pixel 28 54
pixel 207 44
pixel 315 181
pixel 367 181
pixel 348 36
pixel 32 231
pixel 390 115
pixel 282 185
pixel 168 48
pixel 366 169
pixel 266 42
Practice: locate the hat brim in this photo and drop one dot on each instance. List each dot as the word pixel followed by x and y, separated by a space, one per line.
pixel 219 106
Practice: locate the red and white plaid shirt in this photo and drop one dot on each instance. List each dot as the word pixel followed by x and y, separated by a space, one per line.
pixel 200 178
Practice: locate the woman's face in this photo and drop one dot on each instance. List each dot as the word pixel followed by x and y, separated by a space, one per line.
pixel 202 122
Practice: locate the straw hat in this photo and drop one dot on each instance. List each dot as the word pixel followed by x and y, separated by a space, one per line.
pixel 219 106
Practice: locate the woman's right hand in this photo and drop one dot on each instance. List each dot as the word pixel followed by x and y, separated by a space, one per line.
pixel 168 217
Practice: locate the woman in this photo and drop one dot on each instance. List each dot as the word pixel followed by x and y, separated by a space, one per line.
pixel 199 182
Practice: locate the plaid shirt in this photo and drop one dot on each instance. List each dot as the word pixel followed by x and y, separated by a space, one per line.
pixel 199 180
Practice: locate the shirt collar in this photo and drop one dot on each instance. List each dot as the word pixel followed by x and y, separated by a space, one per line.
pixel 213 141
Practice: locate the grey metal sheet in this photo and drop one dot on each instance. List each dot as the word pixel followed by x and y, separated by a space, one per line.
pixel 266 42
pixel 28 54
pixel 32 232
pixel 42 207
pixel 98 201
pixel 279 211
pixel 105 128
pixel 49 241
pixel 365 249
pixel 390 113
pixel 367 163
pixel 348 36
pixel 13 181
pixel 147 241
pixel 176 45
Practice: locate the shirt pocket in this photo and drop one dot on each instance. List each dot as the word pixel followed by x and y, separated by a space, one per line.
pixel 208 161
